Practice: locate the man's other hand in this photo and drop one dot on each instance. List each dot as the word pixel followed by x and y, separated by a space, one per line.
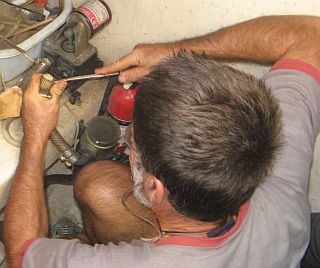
pixel 39 114
pixel 139 61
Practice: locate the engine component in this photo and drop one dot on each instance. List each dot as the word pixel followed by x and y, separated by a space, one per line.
pixel 69 49
pixel 42 65
pixel 45 84
pixel 98 140
pixel 97 14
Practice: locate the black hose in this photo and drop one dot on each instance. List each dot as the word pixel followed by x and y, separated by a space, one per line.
pixel 112 82
pixel 63 179
pixel 84 159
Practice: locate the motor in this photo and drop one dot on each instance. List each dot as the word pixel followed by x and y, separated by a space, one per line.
pixel 104 135
pixel 69 50
pixel 98 140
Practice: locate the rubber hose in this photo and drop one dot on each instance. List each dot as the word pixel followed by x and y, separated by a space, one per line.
pixel 63 179
pixel 112 82
pixel 63 147
pixel 59 141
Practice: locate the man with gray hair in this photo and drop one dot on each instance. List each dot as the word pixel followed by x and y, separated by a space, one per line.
pixel 220 160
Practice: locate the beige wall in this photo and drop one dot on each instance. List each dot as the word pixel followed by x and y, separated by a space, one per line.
pixel 136 21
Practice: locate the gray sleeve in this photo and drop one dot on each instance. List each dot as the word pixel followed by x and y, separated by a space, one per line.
pixel 58 253
pixel 298 94
pixel 50 253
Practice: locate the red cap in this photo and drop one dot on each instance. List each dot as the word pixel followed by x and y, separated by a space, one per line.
pixel 121 102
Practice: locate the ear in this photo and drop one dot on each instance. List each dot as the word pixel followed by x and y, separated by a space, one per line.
pixel 154 190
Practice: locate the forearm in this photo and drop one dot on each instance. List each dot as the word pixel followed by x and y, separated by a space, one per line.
pixel 26 212
pixel 261 40
pixel 264 39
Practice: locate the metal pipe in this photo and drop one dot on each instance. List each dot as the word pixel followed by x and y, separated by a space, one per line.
pixel 68 155
pixel 90 76
pixel 42 65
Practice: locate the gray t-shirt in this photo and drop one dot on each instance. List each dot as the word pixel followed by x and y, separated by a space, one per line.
pixel 272 230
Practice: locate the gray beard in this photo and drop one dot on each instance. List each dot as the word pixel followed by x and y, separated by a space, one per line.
pixel 138 174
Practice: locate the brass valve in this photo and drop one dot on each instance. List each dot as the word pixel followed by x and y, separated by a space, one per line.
pixel 46 83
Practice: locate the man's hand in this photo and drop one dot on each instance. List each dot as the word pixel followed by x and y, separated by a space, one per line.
pixel 261 40
pixel 138 63
pixel 39 115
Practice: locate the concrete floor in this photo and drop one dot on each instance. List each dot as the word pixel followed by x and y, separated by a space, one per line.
pixel 60 204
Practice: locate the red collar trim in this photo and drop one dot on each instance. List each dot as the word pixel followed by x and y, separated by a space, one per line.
pixel 299 66
pixel 206 241
pixel 23 250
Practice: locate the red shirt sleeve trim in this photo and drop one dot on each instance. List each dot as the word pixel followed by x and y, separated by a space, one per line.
pixel 299 66
pixel 24 248
pixel 206 241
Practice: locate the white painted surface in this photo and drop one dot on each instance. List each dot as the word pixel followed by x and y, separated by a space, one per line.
pixel 136 21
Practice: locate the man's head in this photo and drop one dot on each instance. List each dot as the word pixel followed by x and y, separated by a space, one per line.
pixel 208 132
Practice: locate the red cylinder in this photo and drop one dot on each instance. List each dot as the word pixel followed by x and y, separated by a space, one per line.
pixel 120 107
pixel 121 102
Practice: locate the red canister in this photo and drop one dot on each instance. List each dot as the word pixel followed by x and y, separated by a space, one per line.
pixel 97 14
pixel 120 107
